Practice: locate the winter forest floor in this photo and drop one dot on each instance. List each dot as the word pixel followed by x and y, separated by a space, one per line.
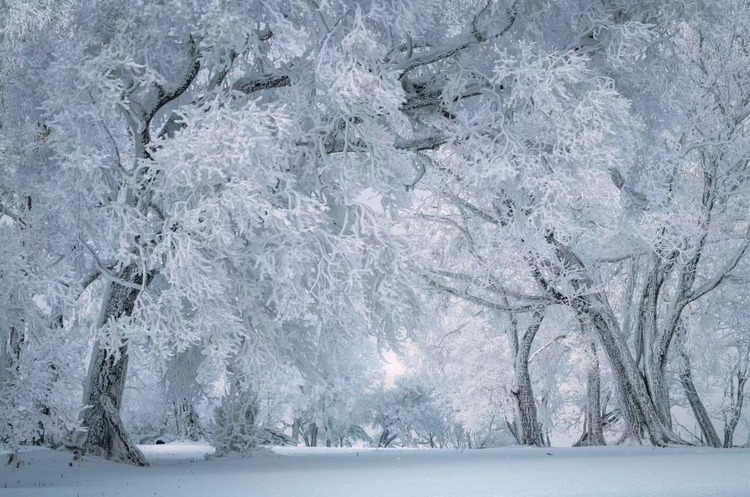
pixel 181 470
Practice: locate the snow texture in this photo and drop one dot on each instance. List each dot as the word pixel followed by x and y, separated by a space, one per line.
pixel 180 469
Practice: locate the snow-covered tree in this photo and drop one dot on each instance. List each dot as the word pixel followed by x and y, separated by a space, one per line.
pixel 185 181
pixel 172 161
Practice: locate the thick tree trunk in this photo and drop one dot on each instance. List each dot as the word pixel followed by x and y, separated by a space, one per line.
pixel 699 410
pixel 647 341
pixel 105 384
pixel 530 432
pixel 10 357
pixel 656 381
pixel 637 407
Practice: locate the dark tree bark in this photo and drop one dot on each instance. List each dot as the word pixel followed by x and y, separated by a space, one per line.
pixel 10 357
pixel 187 421
pixel 105 384
pixel 529 430
pixel 386 438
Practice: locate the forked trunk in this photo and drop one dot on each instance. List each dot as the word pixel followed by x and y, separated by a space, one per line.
pixel 638 410
pixel 637 407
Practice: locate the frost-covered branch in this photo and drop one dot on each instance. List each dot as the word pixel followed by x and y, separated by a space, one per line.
pixel 491 286
pixel 718 278
pixel 547 345
pixel 458 44
pixel 479 300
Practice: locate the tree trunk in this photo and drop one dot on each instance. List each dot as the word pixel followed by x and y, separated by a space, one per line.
pixel 296 429
pixel 187 421
pixel 699 410
pixel 737 399
pixel 656 381
pixel 10 357
pixel 530 431
pixel 386 438
pixel 637 407
pixel 311 435
pixel 594 408
pixel 180 385
pixel 105 383
pixel 648 340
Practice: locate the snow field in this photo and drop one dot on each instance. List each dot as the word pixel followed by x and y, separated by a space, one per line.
pixel 182 470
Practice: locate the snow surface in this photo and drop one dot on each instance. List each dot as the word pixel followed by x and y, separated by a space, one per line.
pixel 181 469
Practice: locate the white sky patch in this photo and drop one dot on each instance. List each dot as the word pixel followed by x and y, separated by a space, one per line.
pixel 394 367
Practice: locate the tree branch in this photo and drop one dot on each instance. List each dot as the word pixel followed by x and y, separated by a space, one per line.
pixel 717 279
pixel 546 345
pixel 166 97
pixel 103 270
pixel 475 210
pixel 413 145
pixel 251 84
pixel 457 44
pixel 480 301
pixel 490 286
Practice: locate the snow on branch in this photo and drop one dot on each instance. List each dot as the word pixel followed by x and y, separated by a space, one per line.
pixel 480 301
pixel 457 44
pixel 491 286
pixel 717 279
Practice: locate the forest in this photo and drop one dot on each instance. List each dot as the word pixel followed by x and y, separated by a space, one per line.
pixel 449 224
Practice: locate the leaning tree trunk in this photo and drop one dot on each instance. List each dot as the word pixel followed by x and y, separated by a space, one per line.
pixel 637 407
pixel 656 381
pixel 639 411
pixel 699 410
pixel 105 384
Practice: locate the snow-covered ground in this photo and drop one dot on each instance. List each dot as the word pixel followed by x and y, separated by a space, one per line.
pixel 181 470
